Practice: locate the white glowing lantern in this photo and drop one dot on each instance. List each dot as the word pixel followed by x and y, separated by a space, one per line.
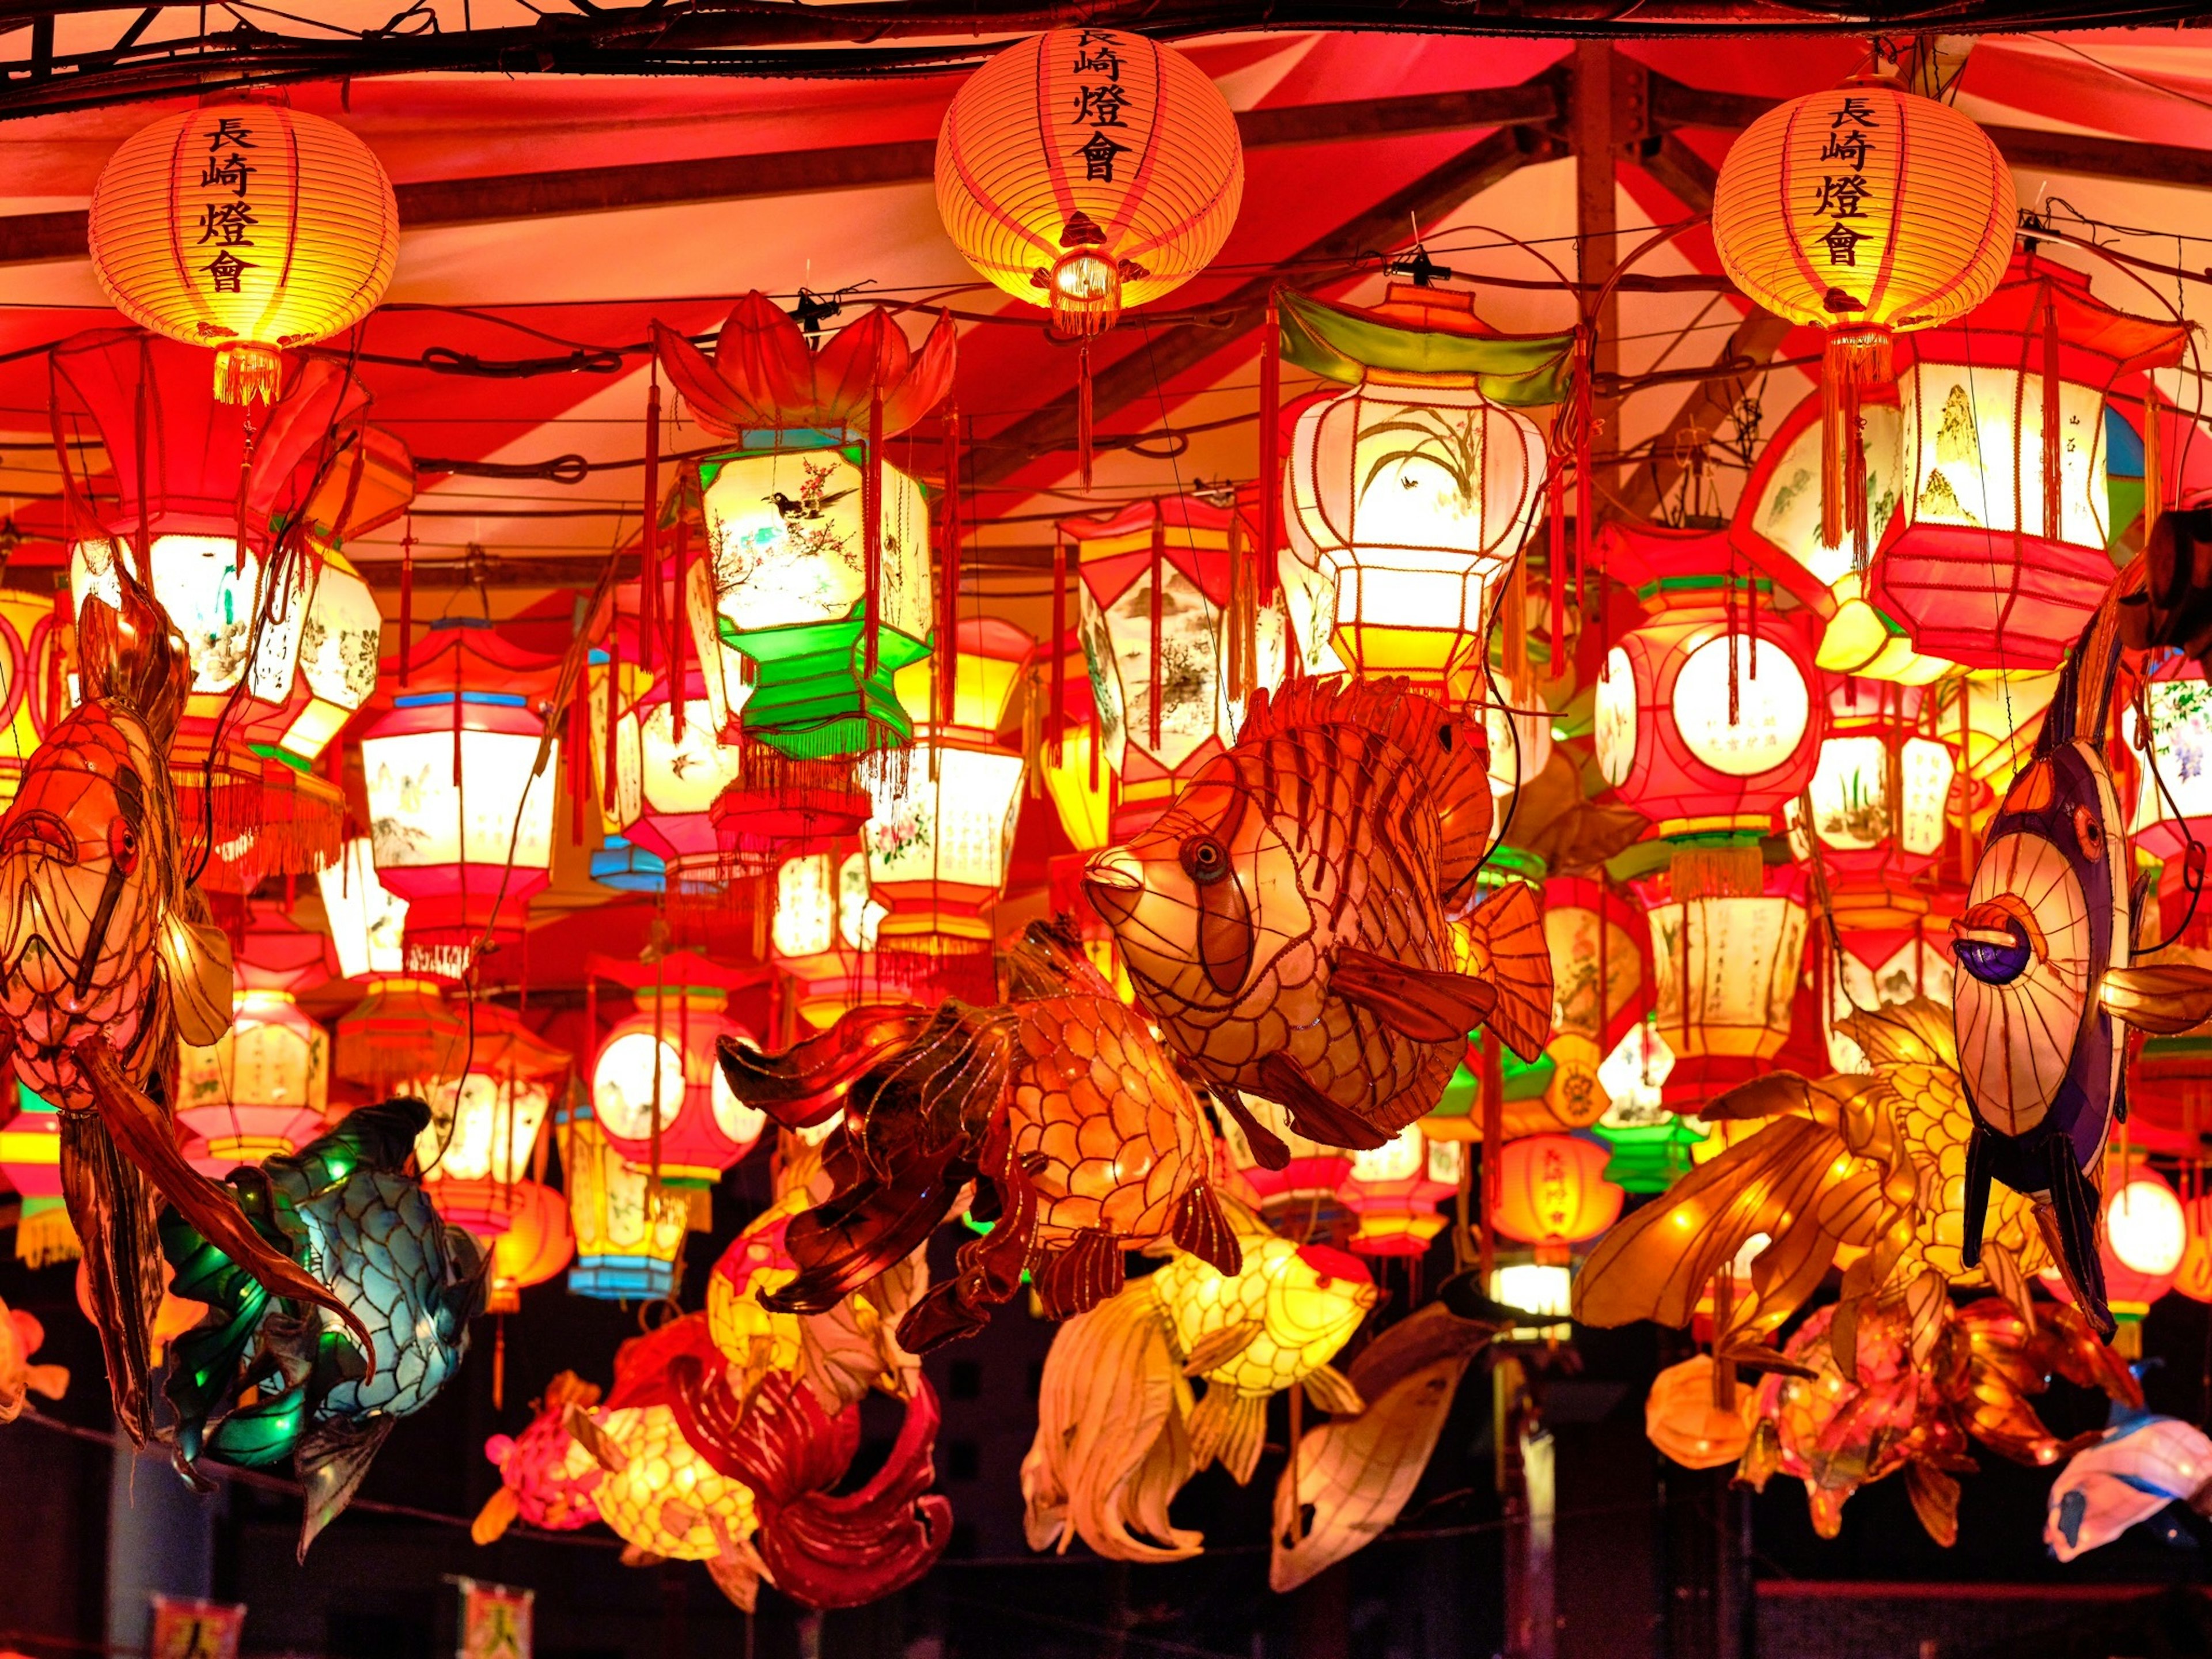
pixel 2180 709
pixel 1725 967
pixel 262 1090
pixel 1914 968
pixel 660 1063
pixel 1544 1288
pixel 806 921
pixel 1633 1075
pixel 1394 1190
pixel 367 923
pixel 1411 501
pixel 2146 1228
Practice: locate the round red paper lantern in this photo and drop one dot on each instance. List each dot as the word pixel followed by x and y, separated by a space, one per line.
pixel 1553 1193
pixel 1089 170
pixel 659 1063
pixel 246 226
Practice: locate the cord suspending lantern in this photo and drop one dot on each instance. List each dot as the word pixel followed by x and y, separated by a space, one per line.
pixel 247 227
pixel 1089 171
pixel 1862 211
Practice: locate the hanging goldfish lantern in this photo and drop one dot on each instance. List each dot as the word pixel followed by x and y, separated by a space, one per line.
pixel 248 227
pixel 1879 803
pixel 31 1162
pixel 657 1065
pixel 941 837
pixel 22 1336
pixel 255 1382
pixel 813 584
pixel 823 934
pixel 1592 935
pixel 1707 723
pixel 1553 1193
pixel 282 632
pixel 1155 581
pixel 1997 554
pixel 1210 910
pixel 1089 171
pixel 475 1149
pixel 262 1090
pixel 629 1238
pixel 547 1476
pixel 1394 1190
pixel 1408 496
pixel 1075 1116
pixel 1861 211
pixel 463 823
pixel 1651 1146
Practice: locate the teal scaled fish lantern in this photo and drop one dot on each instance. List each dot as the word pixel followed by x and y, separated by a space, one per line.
pixel 255 1380
pixel 813 586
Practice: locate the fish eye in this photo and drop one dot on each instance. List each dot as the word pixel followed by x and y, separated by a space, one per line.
pixel 123 845
pixel 2090 833
pixel 1205 860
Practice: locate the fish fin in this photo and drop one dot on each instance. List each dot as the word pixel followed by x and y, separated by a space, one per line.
pixel 52 1381
pixel 1201 1229
pixel 30 1334
pixel 1427 1005
pixel 1313 1113
pixel 1081 1274
pixel 500 1510
pixel 381 1136
pixel 1332 1390
pixel 986 1271
pixel 2007 1280
pixel 1506 934
pixel 807 1084
pixel 141 1130
pixel 112 1206
pixel 1209 1353
pixel 197 958
pixel 2072 1213
pixel 1978 1153
pixel 1229 1428
pixel 332 1463
pixel 1048 961
pixel 1269 1150
pixel 605 1450
pixel 1935 1499
pixel 2162 999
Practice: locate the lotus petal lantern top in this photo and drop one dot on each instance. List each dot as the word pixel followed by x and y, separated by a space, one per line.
pixel 246 226
pixel 1089 170
pixel 765 377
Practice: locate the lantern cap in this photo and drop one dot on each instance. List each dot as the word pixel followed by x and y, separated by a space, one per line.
pixel 1433 339
pixel 765 376
pixel 677 971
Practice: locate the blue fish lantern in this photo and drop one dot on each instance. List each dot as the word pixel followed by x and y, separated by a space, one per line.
pixel 2046 951
pixel 344 1208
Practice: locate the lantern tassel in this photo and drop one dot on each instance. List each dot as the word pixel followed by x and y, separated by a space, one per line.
pixel 1270 451
pixel 2154 483
pixel 948 617
pixel 1555 549
pixel 2053 430
pixel 1159 619
pixel 612 759
pixel 1853 360
pixel 679 628
pixel 648 550
pixel 1082 432
pixel 1059 683
pixel 407 602
pixel 871 528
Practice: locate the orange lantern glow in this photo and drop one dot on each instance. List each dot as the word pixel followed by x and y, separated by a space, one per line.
pixel 629 1239
pixel 1683 1419
pixel 2193 1278
pixel 536 1244
pixel 1395 1190
pixel 1862 210
pixel 1554 1194
pixel 246 226
pixel 1089 170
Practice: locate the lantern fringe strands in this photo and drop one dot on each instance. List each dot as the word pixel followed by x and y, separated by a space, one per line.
pixel 248 227
pixel 1864 210
pixel 1089 171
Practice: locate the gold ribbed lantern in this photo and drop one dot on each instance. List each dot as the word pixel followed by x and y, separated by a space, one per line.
pixel 1089 170
pixel 248 228
pixel 1862 210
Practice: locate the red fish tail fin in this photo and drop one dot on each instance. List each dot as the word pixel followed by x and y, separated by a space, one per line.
pixel 807 1084
pixel 1506 932
pixel 111 1205
pixel 136 655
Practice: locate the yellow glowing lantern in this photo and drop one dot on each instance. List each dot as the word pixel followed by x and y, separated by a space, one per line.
pixel 1682 1419
pixel 1544 1288
pixel 1862 210
pixel 1408 495
pixel 484 1126
pixel 665 1499
pixel 823 935
pixel 1394 1190
pixel 30 681
pixel 1724 973
pixel 244 227
pixel 367 922
pixel 1305 1300
pixel 263 1088
pixel 2193 1276
pixel 629 1237
pixel 1553 1193
pixel 659 1064
pixel 1089 170
pixel 1590 934
pixel 941 837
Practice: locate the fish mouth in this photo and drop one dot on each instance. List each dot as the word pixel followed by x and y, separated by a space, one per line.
pixel 42 833
pixel 1113 882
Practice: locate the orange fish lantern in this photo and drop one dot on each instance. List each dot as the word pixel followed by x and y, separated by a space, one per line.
pixel 657 1095
pixel 1996 554
pixel 462 777
pixel 108 960
pixel 547 1476
pixel 1156 580
pixel 1286 920
pixel 22 1336
pixel 281 631
pixel 1060 1101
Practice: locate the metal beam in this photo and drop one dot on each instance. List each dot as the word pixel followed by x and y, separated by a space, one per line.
pixel 31 238
pixel 1159 356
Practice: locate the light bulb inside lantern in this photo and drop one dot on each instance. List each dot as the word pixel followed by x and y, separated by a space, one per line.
pixel 1086 290
pixel 2146 1228
pixel 1536 1287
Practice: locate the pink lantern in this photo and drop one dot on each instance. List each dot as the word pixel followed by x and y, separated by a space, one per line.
pixel 658 1066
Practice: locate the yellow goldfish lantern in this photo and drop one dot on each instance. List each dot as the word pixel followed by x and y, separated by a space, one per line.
pixel 665 1498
